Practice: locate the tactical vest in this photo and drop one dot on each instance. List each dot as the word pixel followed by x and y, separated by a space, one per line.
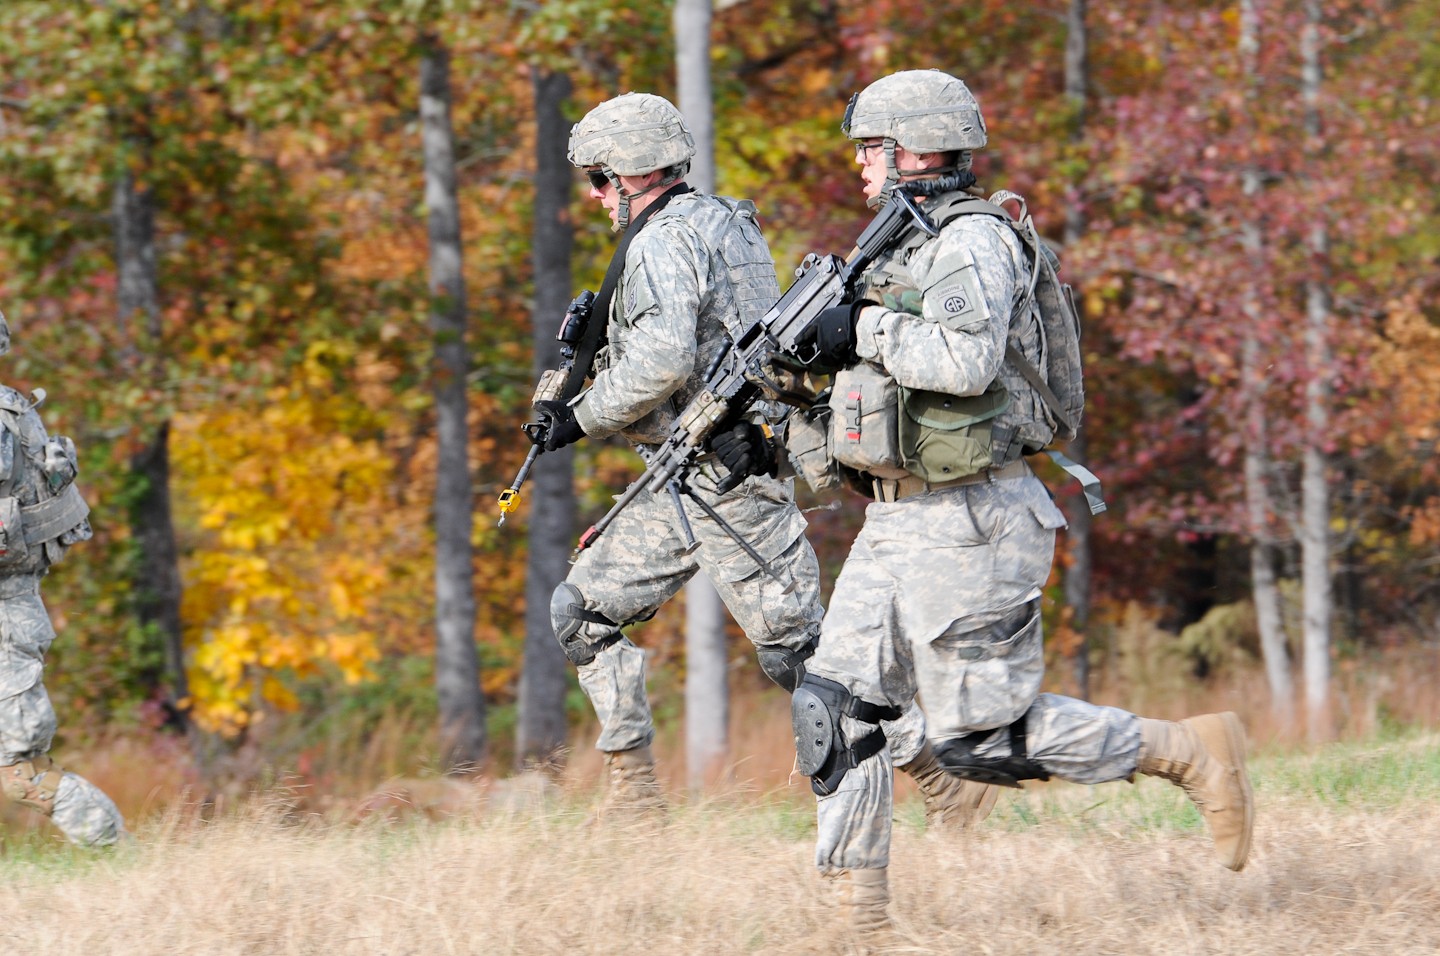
pixel 742 285
pixel 41 510
pixel 940 437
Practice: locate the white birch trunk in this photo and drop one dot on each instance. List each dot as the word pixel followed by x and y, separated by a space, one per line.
pixel 1314 487
pixel 1256 460
pixel 707 691
pixel 1078 573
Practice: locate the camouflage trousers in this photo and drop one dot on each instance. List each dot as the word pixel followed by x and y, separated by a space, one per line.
pixel 639 563
pixel 940 596
pixel 27 720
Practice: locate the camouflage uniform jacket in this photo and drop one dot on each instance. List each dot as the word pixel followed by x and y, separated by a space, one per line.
pixel 693 274
pixel 948 305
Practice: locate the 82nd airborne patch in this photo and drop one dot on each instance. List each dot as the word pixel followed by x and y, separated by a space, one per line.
pixel 958 300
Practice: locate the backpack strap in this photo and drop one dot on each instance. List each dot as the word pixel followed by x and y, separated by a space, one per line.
pixel 1025 231
pixel 1024 228
pixel 594 335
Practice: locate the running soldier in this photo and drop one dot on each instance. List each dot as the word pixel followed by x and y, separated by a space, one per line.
pixel 940 594
pixel 693 268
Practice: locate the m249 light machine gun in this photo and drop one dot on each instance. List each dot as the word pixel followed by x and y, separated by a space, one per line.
pixel 741 372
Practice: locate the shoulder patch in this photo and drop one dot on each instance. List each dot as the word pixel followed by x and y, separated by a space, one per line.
pixel 957 301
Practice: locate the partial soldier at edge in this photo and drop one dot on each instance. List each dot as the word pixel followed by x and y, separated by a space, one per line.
pixel 41 515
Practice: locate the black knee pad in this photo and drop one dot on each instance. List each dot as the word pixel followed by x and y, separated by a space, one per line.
pixel 784 666
pixel 820 749
pixel 568 615
pixel 958 757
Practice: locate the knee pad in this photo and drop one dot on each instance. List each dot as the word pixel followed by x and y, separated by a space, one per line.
pixel 33 782
pixel 821 752
pixel 958 757
pixel 568 615
pixel 784 666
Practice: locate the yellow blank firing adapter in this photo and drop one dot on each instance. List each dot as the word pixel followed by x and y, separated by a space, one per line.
pixel 508 502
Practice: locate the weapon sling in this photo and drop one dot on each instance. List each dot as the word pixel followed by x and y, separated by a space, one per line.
pixel 594 336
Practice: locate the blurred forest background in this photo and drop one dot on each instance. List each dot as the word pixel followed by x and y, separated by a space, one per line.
pixel 222 237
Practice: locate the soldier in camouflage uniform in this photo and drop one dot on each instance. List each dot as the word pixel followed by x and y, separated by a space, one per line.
pixel 941 592
pixel 41 515
pixel 695 270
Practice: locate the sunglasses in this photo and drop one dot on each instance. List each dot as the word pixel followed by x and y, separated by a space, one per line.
pixel 598 179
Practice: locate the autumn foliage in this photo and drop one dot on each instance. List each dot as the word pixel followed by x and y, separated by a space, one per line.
pixel 279 142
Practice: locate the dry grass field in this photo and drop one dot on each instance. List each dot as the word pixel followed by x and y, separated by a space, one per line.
pixel 1346 860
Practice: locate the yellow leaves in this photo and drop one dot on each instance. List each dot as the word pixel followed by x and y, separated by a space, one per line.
pixel 291 516
pixel 353 654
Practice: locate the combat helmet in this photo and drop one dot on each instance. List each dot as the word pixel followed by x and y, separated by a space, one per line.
pixel 631 135
pixel 4 335
pixel 925 111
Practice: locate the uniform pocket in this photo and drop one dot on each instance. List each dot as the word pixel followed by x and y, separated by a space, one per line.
pixel 807 441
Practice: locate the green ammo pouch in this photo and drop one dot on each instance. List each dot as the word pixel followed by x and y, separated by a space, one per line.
pixel 946 437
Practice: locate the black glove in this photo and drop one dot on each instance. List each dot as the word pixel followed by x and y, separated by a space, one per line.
pixel 744 451
pixel 831 338
pixel 558 426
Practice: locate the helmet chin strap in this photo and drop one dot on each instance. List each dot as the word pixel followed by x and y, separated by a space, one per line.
pixel 894 175
pixel 622 212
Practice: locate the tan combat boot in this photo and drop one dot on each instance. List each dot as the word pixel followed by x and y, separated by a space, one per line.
pixel 1205 755
pixel 949 800
pixel 633 793
pixel 860 898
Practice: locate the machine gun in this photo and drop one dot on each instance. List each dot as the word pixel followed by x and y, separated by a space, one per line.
pixel 554 384
pixel 741 371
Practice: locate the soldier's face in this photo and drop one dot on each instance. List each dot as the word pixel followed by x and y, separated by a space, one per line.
pixel 601 189
pixel 870 155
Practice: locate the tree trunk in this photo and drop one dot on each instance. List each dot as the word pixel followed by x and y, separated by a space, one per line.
pixel 1256 463
pixel 692 80
pixel 157 579
pixel 1078 573
pixel 707 693
pixel 1314 486
pixel 707 689
pixel 544 677
pixel 457 666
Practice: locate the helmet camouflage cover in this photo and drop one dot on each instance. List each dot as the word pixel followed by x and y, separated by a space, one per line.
pixel 925 111
pixel 632 135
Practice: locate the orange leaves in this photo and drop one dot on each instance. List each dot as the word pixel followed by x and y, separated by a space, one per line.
pixel 1407 368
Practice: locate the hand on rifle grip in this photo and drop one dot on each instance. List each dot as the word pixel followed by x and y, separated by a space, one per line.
pixel 559 425
pixel 744 450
